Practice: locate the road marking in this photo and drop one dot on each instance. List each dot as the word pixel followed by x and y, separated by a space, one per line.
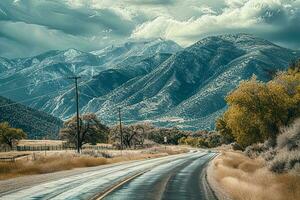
pixel 113 188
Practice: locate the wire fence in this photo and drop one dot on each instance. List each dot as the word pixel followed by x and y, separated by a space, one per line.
pixel 54 148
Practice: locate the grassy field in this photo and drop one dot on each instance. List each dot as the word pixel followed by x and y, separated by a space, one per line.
pixel 243 178
pixel 38 163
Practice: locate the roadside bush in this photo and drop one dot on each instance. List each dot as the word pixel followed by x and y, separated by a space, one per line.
pixel 235 146
pixel 258 149
pixel 290 137
pixel 287 152
pixel 214 139
pixel 255 150
pixel 269 155
pixel 285 156
pixel 285 161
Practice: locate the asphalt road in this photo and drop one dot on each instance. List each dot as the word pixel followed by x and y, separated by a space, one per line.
pixel 173 177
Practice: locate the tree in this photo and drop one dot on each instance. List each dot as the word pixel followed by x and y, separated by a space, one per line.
pixel 224 130
pixel 91 130
pixel 257 110
pixel 8 134
pixel 133 135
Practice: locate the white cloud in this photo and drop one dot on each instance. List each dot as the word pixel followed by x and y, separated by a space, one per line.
pixel 261 16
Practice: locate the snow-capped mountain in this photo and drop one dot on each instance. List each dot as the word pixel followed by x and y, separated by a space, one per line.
pixel 103 83
pixel 152 80
pixel 188 89
pixel 130 51
pixel 42 81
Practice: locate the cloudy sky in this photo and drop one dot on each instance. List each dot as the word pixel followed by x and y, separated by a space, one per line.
pixel 29 27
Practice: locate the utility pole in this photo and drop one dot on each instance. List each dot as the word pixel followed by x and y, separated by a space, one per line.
pixel 121 131
pixel 77 109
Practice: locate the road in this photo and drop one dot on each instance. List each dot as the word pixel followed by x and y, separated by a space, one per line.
pixel 172 177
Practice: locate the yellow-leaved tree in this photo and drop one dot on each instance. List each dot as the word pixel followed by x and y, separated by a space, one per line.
pixel 257 110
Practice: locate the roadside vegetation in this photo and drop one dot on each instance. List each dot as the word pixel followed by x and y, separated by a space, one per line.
pixel 263 122
pixel 244 178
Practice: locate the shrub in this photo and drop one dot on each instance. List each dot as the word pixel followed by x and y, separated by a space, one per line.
pixel 269 155
pixel 255 150
pixel 286 156
pixel 285 161
pixel 290 137
pixel 235 146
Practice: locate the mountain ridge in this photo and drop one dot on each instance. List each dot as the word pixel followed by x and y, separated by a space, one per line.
pixel 183 87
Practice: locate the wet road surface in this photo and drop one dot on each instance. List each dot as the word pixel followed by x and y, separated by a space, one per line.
pixel 171 177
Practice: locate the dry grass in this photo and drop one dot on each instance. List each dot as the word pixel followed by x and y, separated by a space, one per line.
pixel 40 142
pixel 61 162
pixel 58 161
pixel 249 179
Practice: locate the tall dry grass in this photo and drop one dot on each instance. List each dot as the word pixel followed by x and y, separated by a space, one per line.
pixel 244 178
pixel 47 164
pixel 59 161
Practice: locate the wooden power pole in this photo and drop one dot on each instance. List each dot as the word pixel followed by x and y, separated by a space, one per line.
pixel 121 131
pixel 77 110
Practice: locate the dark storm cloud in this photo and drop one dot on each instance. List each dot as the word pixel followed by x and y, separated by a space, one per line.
pixel 29 27
pixel 42 25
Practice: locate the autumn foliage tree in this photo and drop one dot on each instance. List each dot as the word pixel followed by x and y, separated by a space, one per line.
pixel 257 110
pixel 8 134
pixel 91 130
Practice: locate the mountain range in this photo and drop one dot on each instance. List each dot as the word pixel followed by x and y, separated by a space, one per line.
pixel 155 81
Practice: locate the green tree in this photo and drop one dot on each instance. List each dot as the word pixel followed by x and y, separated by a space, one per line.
pixel 8 135
pixel 91 130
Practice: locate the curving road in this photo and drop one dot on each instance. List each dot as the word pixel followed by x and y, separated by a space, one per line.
pixel 172 177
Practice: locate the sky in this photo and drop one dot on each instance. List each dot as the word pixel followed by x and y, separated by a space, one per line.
pixel 30 27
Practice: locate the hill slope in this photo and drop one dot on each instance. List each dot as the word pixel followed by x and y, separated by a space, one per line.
pixel 34 123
